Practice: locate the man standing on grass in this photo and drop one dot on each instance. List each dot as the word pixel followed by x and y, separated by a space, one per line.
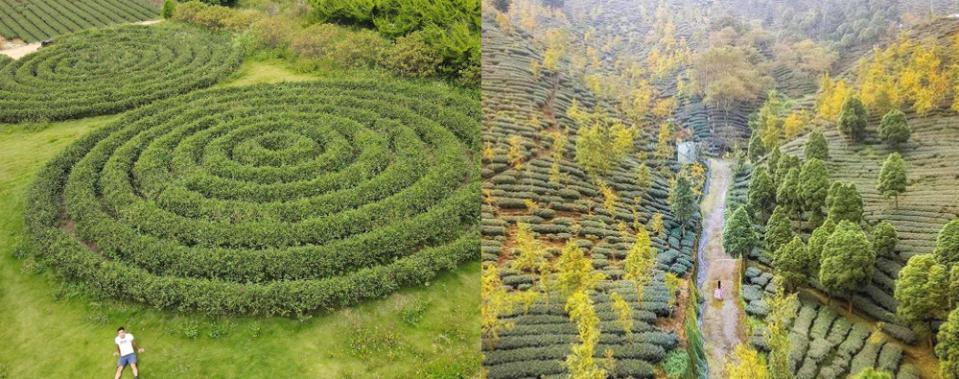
pixel 125 345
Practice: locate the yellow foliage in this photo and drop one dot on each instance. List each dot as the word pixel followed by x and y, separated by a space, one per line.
pixel 575 270
pixel 531 252
pixel 494 301
pixel 832 93
pixel 749 364
pixel 656 225
pixel 580 362
pixel 923 79
pixel 795 123
pixel 640 261
pixel 488 152
pixel 622 140
pixel 609 198
pixel 664 147
pixel 515 154
pixel 526 298
pixel 624 314
pixel 664 108
pixel 559 146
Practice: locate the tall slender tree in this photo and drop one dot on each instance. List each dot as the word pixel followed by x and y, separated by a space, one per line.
pixel 847 261
pixel 816 147
pixel 892 177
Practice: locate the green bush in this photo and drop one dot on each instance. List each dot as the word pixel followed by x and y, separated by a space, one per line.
pixel 339 45
pixel 168 8
pixel 412 57
pixel 676 364
pixel 215 17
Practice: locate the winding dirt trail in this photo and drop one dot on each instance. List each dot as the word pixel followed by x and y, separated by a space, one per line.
pixel 722 320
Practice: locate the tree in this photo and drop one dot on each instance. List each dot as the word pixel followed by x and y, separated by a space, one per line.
pixel 923 79
pixel 813 188
pixel 624 314
pixel 494 303
pixel 954 287
pixel 786 162
pixel 816 147
pixel 774 156
pixel 844 202
pixel 781 310
pixel 787 195
pixel 664 145
pixel 872 373
pixel 816 243
pixel 580 361
pixel 894 129
pixel 847 261
pixel 794 123
pixel 683 202
pixel 168 7
pixel 920 290
pixel 751 364
pixel 762 194
pixel 852 119
pixel 947 244
pixel 575 270
pixel 531 252
pixel 884 239
pixel 739 236
pixel 792 262
pixel 832 94
pixel 656 226
pixel 640 261
pixel 644 178
pixel 516 149
pixel 725 76
pixel 892 177
pixel 593 151
pixel 948 347
pixel 778 229
pixel 621 143
pixel 756 147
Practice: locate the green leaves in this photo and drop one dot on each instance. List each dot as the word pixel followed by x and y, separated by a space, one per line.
pixel 739 236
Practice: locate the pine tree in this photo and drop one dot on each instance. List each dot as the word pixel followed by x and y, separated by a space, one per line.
pixel 844 202
pixel 683 202
pixel 787 195
pixel 892 177
pixel 884 239
pixel 920 290
pixel 762 194
pixel 817 241
pixel 847 261
pixel 756 147
pixel 852 119
pixel 168 8
pixel 739 236
pixel 948 347
pixel 813 188
pixel 786 162
pixel 954 286
pixel 792 261
pixel 947 244
pixel 774 155
pixel 894 129
pixel 816 147
pixel 778 229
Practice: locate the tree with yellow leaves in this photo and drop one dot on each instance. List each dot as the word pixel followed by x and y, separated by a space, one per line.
pixel 624 314
pixel 580 362
pixel 531 252
pixel 575 270
pixel 644 179
pixel 525 298
pixel 777 331
pixel 640 261
pixel 640 100
pixel 495 302
pixel 923 79
pixel 664 144
pixel 877 84
pixel 592 149
pixel 665 107
pixel 489 153
pixel 749 364
pixel 515 154
pixel 557 41
pixel 656 225
pixel 832 94
pixel 609 198
pixel 795 123
pixel 623 140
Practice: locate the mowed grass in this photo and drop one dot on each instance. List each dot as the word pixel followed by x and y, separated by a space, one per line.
pixel 50 328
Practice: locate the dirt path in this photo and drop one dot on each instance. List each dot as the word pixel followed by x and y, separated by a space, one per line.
pixel 722 321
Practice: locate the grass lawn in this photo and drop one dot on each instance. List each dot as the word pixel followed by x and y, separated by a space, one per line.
pixel 50 328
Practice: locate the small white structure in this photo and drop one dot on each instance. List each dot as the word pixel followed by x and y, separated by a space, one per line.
pixel 686 152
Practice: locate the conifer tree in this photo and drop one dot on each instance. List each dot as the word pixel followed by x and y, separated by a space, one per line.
pixel 683 202
pixel 816 243
pixel 792 262
pixel 847 261
pixel 756 147
pixel 852 119
pixel 884 239
pixel 787 195
pixel 778 229
pixel 894 129
pixel 920 290
pixel 816 147
pixel 168 8
pixel 892 177
pixel 762 194
pixel 948 347
pixel 844 202
pixel 813 188
pixel 947 244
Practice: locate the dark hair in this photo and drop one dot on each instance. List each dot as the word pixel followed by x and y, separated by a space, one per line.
pixel 120 328
pixel 719 284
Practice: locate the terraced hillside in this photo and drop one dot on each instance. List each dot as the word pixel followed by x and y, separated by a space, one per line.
pixel 522 106
pixel 37 20
pixel 930 201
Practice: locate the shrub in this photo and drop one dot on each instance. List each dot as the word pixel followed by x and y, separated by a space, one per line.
pixel 275 32
pixel 168 8
pixel 339 45
pixel 412 57
pixel 215 17
pixel 676 364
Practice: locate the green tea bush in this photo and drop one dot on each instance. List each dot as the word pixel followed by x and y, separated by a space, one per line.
pixel 270 199
pixel 105 71
pixel 38 20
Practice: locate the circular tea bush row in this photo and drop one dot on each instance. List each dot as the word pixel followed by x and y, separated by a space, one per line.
pixel 109 70
pixel 267 199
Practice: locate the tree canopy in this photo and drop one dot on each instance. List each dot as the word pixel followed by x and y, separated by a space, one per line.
pixel 739 236
pixel 847 260
pixel 778 229
pixel 892 177
pixel 844 202
pixel 947 244
pixel 894 129
pixel 814 186
pixel 948 347
pixel 816 147
pixel 792 262
pixel 852 118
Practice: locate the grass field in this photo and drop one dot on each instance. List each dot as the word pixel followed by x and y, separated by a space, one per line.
pixel 416 332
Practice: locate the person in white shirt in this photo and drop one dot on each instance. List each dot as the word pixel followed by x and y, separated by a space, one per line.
pixel 125 345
